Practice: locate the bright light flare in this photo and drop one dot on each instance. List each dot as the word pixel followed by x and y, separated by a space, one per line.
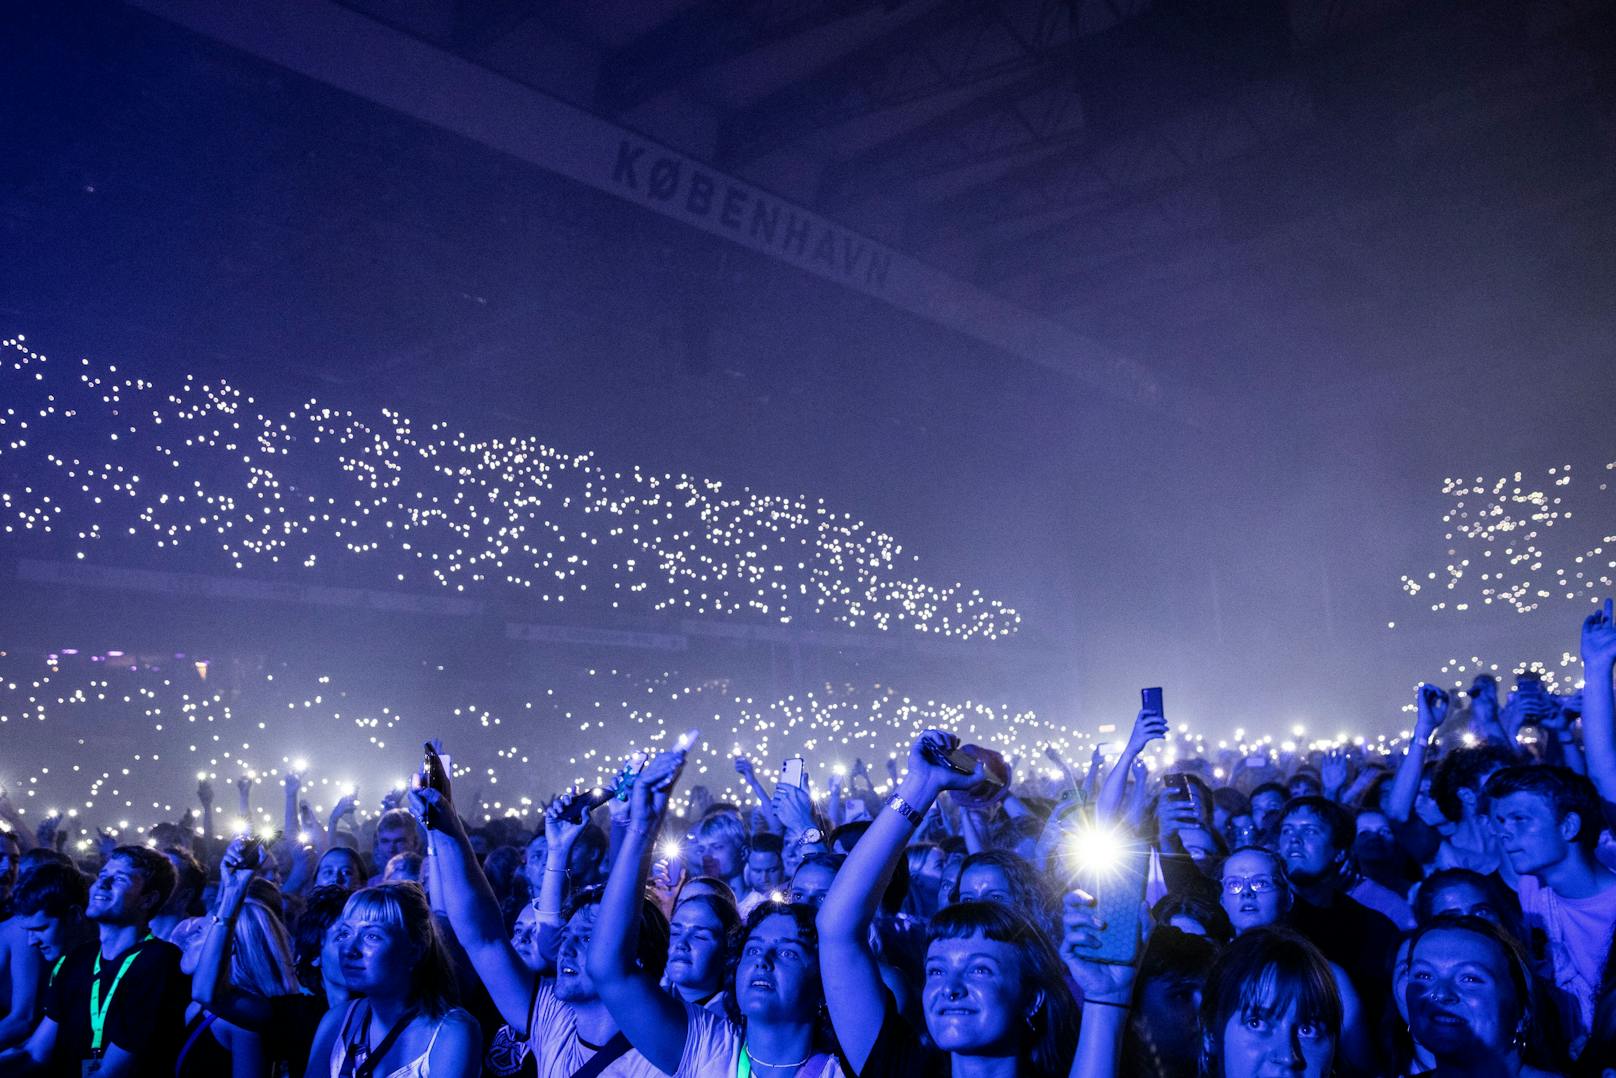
pixel 1097 851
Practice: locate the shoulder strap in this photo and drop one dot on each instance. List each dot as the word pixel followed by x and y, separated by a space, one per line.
pixel 609 1053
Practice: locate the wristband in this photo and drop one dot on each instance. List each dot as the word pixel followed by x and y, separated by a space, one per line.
pixel 897 804
pixel 1107 1003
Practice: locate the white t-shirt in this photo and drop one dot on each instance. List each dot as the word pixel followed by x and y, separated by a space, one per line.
pixel 713 1048
pixel 1579 937
pixel 557 1051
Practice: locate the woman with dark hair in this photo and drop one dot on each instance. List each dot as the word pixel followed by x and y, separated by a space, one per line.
pixel 407 1025
pixel 993 995
pixel 1270 1004
pixel 777 988
pixel 1163 1030
pixel 1471 999
pixel 1463 891
pixel 313 948
pixel 704 940
pixel 1003 877
pixel 1194 914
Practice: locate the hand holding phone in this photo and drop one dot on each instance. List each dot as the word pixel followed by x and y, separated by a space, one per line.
pixel 794 773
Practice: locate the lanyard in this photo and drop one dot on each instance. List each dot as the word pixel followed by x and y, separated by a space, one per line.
pixel 371 1058
pixel 98 1010
pixel 743 1063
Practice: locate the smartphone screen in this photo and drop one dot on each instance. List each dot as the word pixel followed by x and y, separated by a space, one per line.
pixel 792 772
pixel 1151 700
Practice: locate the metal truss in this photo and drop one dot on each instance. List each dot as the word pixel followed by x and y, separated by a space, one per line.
pixel 1136 170
pixel 706 35
pixel 957 46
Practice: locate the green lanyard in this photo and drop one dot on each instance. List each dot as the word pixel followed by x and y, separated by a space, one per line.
pixel 743 1063
pixel 98 1010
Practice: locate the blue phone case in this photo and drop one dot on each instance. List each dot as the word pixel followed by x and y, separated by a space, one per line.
pixel 1119 904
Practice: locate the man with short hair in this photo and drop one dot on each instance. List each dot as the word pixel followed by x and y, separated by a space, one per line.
pixel 1315 837
pixel 1548 821
pixel 765 873
pixel 116 1007
pixel 50 911
pixel 396 832
pixel 720 845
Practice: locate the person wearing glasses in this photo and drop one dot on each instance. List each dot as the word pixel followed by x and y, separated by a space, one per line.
pixel 1255 893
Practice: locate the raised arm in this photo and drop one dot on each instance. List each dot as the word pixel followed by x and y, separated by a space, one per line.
pixel 744 768
pixel 654 1021
pixel 854 992
pixel 1148 726
pixel 210 985
pixel 472 908
pixel 1432 704
pixel 1599 702
pixel 1107 992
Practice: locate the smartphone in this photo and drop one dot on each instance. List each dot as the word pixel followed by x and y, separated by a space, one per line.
pixel 1119 902
pixel 1178 786
pixel 1434 695
pixel 958 760
pixel 1151 700
pixel 435 770
pixel 252 852
pixel 793 773
pixel 1529 683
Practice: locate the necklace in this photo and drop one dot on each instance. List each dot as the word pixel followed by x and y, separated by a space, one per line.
pixel 772 1066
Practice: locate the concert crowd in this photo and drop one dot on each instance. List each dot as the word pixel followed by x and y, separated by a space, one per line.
pixel 1447 910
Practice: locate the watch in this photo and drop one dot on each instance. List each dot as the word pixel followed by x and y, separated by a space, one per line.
pixel 811 837
pixel 905 809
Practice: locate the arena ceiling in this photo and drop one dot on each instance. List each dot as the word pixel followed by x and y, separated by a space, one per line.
pixel 1214 186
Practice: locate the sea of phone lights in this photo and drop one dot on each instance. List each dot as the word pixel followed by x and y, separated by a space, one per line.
pixel 199 477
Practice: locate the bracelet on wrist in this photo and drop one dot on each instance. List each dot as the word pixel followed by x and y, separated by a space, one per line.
pixel 1107 1003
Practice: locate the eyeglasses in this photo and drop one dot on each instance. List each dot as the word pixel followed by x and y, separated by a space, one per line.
pixel 1257 885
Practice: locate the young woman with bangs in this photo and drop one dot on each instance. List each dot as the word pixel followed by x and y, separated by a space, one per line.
pixel 407 1024
pixel 777 991
pixel 1270 1008
pixel 994 995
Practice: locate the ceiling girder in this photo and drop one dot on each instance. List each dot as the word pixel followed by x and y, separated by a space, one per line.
pixel 956 46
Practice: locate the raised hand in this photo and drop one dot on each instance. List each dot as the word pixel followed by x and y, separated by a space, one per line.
pixel 1432 702
pixel 1102 982
pixel 925 757
pixel 743 768
pixel 204 793
pixel 45 833
pixel 345 806
pixel 1599 642
pixel 1148 726
pixel 649 800
pixel 433 809
pixel 794 807
pixel 1335 771
pixel 105 843
pixel 559 832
